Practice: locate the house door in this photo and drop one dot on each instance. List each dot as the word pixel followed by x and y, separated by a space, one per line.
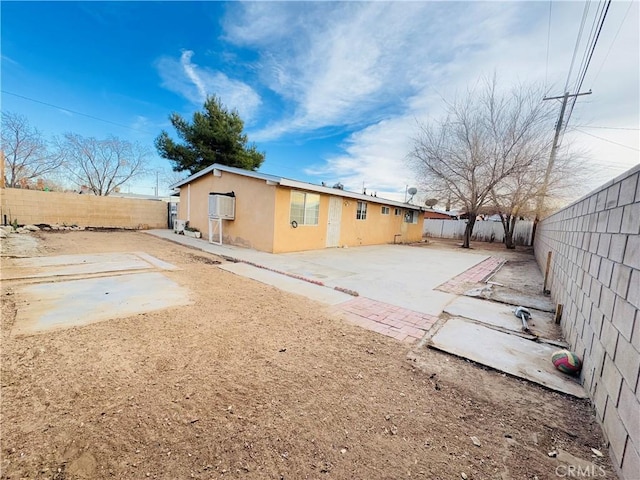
pixel 333 221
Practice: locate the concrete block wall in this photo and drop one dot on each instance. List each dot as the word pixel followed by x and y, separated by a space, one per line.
pixel 36 207
pixel 595 274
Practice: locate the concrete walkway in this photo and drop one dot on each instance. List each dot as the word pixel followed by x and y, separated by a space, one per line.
pixel 288 284
pixel 390 289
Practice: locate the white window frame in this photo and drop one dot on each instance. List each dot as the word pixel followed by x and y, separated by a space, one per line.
pixel 361 210
pixel 385 210
pixel 411 216
pixel 397 212
pixel 305 221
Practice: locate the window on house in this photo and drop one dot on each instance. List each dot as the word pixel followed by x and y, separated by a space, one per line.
pixel 397 212
pixel 305 208
pixel 361 213
pixel 411 216
pixel 385 210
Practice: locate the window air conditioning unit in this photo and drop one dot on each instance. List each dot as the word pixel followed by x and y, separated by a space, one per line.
pixel 222 205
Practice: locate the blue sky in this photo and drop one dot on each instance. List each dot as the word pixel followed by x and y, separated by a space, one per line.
pixel 331 91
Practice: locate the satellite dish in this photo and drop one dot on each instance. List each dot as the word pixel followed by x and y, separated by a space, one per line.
pixel 431 202
pixel 411 191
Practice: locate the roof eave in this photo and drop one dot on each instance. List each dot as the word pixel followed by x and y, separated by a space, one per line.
pixel 286 182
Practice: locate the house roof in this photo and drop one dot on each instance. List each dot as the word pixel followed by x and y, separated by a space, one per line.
pixel 442 212
pixel 286 182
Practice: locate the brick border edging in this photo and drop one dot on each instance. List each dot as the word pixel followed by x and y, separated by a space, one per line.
pixel 393 321
pixel 462 277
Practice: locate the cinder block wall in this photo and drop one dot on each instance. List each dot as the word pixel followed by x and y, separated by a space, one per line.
pixel 35 207
pixel 595 274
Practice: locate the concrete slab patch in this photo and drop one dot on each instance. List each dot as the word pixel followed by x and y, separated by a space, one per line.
pixel 66 265
pixel 506 295
pixel 505 352
pixel 501 315
pixel 156 262
pixel 283 282
pixel 72 303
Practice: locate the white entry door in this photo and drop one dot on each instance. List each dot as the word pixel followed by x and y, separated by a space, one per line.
pixel 333 222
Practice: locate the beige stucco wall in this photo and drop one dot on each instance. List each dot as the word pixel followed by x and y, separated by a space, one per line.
pixel 374 230
pixel 305 237
pixel 37 207
pixel 377 228
pixel 263 217
pixel 253 225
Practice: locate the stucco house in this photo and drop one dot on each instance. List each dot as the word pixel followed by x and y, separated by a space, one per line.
pixel 276 214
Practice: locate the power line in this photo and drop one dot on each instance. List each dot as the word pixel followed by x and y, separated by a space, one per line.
pixel 606 128
pixel 616 168
pixel 603 16
pixel 75 112
pixel 613 42
pixel 546 68
pixel 575 49
pixel 588 55
pixel 607 140
pixel 596 21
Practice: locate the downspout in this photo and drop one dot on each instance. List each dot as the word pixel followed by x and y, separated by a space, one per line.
pixel 189 202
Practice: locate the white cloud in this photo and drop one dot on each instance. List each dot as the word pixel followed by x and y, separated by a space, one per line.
pixel 354 63
pixel 371 157
pixel 140 122
pixel 6 59
pixel 376 67
pixel 195 83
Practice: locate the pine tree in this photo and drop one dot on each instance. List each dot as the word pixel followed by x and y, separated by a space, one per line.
pixel 214 136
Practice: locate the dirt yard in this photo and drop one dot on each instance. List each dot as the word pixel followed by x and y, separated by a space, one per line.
pixel 252 382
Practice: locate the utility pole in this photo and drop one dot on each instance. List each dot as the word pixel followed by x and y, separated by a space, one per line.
pixel 554 149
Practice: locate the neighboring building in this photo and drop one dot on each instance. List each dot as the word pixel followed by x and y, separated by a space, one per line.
pixel 143 196
pixel 276 214
pixel 431 213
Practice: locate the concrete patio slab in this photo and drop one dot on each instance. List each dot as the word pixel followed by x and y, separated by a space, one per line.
pixel 72 303
pixel 505 352
pixel 319 293
pixel 400 275
pixel 501 315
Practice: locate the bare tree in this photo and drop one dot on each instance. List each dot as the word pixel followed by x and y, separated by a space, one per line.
pixel 517 195
pixel 483 139
pixel 170 177
pixel 102 165
pixel 27 153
